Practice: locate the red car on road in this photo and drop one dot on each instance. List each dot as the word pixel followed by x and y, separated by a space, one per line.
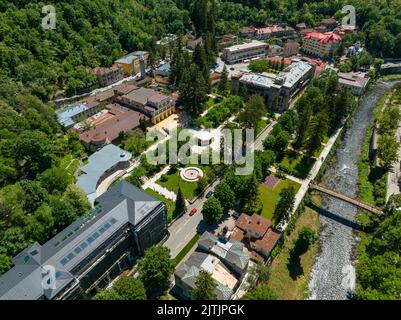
pixel 192 212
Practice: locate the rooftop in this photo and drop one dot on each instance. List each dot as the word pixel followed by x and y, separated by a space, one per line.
pixel 131 57
pixel 324 37
pixel 286 78
pixel 269 240
pixel 231 252
pixel 64 116
pixel 189 270
pixel 255 223
pixel 98 164
pixel 356 79
pixel 122 204
pixel 246 45
pixel 108 126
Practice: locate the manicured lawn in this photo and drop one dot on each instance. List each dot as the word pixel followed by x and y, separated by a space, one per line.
pixel 174 181
pixel 186 249
pixel 289 277
pixel 170 204
pixel 270 197
pixel 296 164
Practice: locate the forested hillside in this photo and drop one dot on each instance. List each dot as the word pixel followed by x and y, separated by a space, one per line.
pixel 88 34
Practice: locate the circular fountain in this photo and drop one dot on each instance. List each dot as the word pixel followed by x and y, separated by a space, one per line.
pixel 191 174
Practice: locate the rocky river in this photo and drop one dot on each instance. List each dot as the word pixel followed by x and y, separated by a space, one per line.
pixel 333 275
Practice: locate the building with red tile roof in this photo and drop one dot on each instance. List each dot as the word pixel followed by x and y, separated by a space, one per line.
pixel 267 243
pixel 106 126
pixel 258 233
pixel 321 45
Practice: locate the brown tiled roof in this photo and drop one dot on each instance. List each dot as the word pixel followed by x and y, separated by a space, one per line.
pixel 237 234
pixel 256 223
pixel 269 240
pixel 124 88
pixel 108 127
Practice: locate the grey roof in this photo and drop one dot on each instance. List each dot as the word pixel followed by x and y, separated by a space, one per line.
pixel 189 271
pixel 131 56
pixel 122 205
pixel 287 78
pixel 164 70
pixel 64 116
pixel 230 252
pixel 98 164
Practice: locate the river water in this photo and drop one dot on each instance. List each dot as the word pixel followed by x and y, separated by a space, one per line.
pixel 333 275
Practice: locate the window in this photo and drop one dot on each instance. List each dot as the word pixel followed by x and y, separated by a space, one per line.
pixel 64 261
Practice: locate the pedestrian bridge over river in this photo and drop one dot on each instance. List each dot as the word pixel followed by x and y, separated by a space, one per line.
pixel 378 212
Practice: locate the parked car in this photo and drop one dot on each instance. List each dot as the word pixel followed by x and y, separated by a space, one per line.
pixel 209 194
pixel 192 212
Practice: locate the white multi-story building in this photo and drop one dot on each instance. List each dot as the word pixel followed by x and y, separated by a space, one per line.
pixel 241 52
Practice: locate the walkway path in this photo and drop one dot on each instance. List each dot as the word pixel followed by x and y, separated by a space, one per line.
pixel 151 184
pixel 313 173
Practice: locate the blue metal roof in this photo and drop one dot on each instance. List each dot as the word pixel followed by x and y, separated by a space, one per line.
pixel 98 164
pixel 64 116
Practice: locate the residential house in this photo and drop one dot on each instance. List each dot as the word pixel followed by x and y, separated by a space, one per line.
pixel 108 76
pixel 354 82
pixel 227 262
pixel 131 63
pixel 258 233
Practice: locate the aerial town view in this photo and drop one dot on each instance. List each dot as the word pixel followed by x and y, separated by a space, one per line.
pixel 173 150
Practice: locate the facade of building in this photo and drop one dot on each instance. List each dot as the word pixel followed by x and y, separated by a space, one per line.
pixel 90 252
pixel 321 45
pixel 274 31
pixel 354 82
pixel 131 63
pixel 279 90
pixel 162 74
pixel 227 262
pixel 241 52
pixel 108 76
pixel 153 104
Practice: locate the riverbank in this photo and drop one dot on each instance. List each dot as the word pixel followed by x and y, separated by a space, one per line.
pixel 290 275
pixel 337 244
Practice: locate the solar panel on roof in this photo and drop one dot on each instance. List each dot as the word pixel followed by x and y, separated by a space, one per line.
pixel 70 256
pixel 64 261
pixel 83 245
pixel 77 250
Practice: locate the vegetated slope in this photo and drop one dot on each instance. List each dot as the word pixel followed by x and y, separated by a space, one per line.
pixel 88 34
